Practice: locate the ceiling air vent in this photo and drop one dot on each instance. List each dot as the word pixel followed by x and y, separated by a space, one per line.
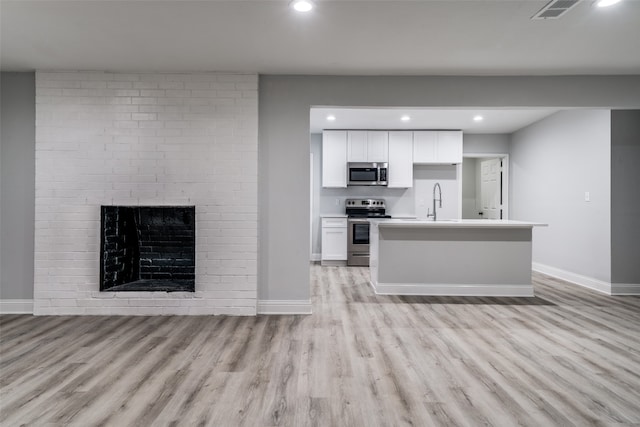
pixel 555 9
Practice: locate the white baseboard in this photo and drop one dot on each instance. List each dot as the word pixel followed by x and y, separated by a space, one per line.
pixel 436 289
pixel 625 289
pixel 284 307
pixel 16 306
pixel 316 257
pixel 576 279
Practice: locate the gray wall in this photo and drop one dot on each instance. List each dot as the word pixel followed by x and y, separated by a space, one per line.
pixel 478 144
pixel 316 150
pixel 284 103
pixel 17 184
pixel 553 163
pixel 486 143
pixel 469 188
pixel 625 196
pixel 284 146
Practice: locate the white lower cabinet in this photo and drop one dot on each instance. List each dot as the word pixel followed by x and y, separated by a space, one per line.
pixel 334 240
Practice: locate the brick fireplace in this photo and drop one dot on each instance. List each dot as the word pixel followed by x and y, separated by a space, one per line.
pixel 146 139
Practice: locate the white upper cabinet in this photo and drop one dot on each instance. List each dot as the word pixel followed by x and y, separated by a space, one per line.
pixel 357 146
pixel 450 146
pixel 437 147
pixel 400 159
pixel 368 146
pixel 334 158
pixel 377 146
pixel 425 146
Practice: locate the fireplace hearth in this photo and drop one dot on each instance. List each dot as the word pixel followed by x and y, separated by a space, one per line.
pixel 147 248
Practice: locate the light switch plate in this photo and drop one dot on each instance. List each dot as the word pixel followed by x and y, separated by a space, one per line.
pixel 587 196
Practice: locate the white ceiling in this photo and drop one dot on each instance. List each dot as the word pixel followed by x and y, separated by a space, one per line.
pixel 494 120
pixel 349 37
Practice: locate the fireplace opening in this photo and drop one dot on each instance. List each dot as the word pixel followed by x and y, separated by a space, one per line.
pixel 147 248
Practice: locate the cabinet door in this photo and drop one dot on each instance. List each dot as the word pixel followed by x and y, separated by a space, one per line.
pixel 400 159
pixel 378 146
pixel 334 243
pixel 425 146
pixel 449 146
pixel 357 146
pixel 334 158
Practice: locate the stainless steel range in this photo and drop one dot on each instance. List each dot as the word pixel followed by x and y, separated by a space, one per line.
pixel 359 211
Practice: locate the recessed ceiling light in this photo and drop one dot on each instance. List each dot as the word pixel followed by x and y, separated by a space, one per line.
pixel 302 5
pixel 405 118
pixel 605 3
pixel 478 118
pixel 331 117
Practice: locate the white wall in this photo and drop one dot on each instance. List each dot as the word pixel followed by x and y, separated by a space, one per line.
pixel 400 202
pixel 553 163
pixel 17 184
pixel 145 139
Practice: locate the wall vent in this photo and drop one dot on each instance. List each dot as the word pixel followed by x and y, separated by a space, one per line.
pixel 555 9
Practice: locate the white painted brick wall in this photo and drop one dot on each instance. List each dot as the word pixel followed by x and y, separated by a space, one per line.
pixel 145 139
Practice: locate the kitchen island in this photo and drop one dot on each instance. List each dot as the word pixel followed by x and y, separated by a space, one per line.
pixel 451 257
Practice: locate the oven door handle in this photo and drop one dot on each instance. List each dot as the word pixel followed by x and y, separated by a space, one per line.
pixel 359 220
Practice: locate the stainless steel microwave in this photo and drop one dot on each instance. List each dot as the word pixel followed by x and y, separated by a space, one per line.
pixel 367 173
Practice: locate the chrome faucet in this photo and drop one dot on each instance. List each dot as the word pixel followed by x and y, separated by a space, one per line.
pixel 439 199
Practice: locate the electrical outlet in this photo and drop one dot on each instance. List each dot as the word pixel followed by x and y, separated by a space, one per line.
pixel 587 196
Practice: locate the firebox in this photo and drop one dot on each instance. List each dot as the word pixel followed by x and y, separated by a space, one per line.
pixel 147 248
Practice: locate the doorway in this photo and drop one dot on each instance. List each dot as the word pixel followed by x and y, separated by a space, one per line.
pixel 485 186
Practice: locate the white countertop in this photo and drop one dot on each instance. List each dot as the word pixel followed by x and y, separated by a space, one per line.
pixel 333 216
pixel 456 223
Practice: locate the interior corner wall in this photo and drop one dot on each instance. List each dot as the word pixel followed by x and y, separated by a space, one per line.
pixel 283 125
pixel 554 162
pixel 17 184
pixel 625 197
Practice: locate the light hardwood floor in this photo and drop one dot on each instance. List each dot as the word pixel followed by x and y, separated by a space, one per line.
pixel 566 357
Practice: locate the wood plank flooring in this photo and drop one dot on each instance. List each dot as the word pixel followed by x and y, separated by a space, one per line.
pixel 567 357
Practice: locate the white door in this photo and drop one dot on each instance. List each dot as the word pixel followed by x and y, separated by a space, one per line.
pixel 490 188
